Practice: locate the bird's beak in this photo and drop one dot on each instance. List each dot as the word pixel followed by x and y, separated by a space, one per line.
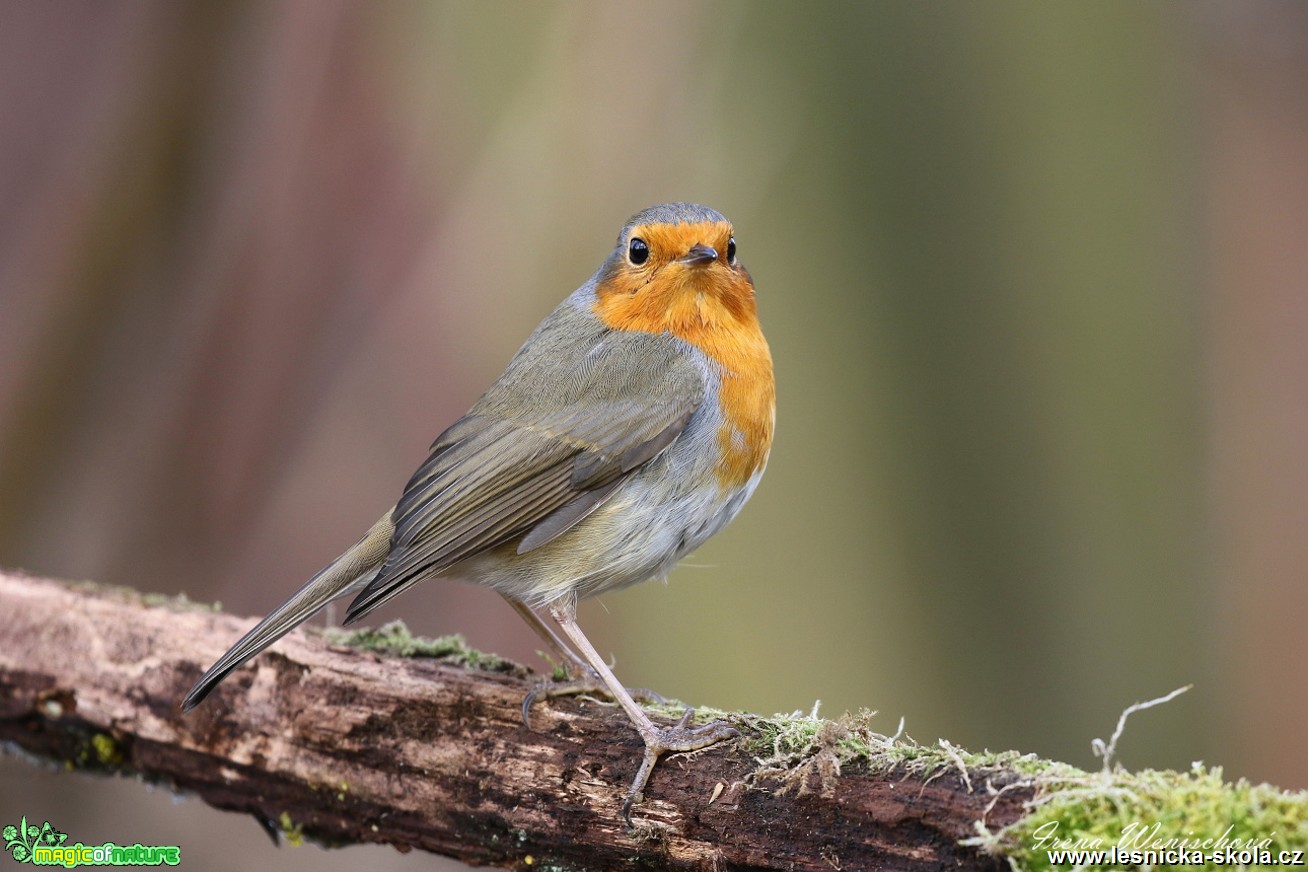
pixel 699 255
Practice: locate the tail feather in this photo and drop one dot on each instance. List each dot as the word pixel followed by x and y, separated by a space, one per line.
pixel 343 576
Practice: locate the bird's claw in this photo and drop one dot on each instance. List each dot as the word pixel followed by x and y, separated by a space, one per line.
pixel 679 737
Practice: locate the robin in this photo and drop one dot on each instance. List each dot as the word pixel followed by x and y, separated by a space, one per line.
pixel 631 426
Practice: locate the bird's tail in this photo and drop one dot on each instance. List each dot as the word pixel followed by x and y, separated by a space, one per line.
pixel 346 574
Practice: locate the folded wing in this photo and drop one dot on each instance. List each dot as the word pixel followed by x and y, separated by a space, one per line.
pixel 545 446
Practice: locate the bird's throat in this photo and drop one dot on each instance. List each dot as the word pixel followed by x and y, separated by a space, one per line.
pixel 723 325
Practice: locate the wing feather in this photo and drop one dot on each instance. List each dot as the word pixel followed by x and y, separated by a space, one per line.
pixel 545 447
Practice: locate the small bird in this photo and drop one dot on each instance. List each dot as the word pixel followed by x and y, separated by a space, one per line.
pixel 631 426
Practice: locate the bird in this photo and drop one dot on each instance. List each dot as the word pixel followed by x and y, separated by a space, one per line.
pixel 632 425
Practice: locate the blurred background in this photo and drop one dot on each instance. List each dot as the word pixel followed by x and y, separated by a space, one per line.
pixel 1033 276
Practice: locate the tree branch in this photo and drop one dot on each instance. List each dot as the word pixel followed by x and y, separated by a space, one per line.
pixel 349 745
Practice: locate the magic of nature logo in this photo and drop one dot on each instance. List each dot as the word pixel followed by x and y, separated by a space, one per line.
pixel 46 846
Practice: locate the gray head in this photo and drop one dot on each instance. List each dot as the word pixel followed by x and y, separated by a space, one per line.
pixel 672 213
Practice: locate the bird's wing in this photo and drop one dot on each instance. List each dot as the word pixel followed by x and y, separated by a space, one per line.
pixel 559 432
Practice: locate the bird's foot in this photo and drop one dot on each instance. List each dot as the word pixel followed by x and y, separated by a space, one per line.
pixel 587 682
pixel 680 737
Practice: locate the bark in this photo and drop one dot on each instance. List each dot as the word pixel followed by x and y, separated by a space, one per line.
pixel 347 745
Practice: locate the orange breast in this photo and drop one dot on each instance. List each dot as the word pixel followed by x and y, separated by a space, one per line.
pixel 713 309
pixel 748 403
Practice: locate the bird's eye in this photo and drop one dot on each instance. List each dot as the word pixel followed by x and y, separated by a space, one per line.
pixel 637 251
pixel 731 250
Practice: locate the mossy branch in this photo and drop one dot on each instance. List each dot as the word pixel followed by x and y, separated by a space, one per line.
pixel 380 737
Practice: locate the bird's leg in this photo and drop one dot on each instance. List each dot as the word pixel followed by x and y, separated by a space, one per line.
pixel 581 677
pixel 570 660
pixel 658 740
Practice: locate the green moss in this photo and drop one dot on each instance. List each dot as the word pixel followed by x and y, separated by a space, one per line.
pixel 395 640
pixel 95 751
pixel 293 832
pixel 1071 808
pixel 1193 810
pixel 178 603
pixel 106 750
pixel 674 709
pixel 807 752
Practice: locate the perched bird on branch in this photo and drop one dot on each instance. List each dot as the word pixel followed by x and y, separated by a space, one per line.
pixel 631 426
